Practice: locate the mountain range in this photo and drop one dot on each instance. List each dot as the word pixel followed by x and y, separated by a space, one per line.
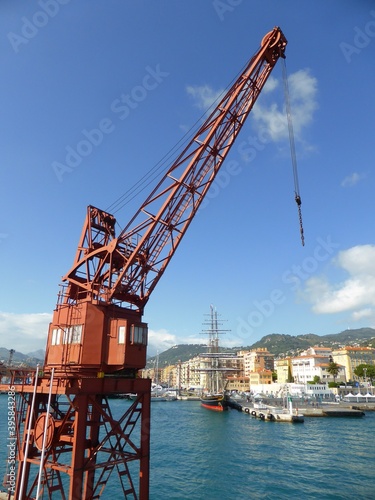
pixel 277 344
pixel 30 359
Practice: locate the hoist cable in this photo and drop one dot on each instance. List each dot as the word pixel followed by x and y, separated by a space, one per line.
pixel 297 195
pixel 163 164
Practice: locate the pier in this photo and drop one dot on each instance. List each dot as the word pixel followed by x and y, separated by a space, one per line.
pixel 297 415
pixel 274 415
pixel 333 412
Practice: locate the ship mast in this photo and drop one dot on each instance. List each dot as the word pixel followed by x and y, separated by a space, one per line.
pixel 214 371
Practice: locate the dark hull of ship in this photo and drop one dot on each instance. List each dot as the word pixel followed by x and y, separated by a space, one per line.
pixel 214 402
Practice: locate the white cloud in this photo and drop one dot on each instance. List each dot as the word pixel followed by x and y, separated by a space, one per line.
pixel 270 85
pixel 355 294
pixel 273 121
pixel 203 95
pixel 270 119
pixel 24 332
pixel 364 313
pixel 352 180
pixel 161 340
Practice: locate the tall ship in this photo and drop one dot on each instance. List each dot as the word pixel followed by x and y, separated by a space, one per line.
pixel 215 365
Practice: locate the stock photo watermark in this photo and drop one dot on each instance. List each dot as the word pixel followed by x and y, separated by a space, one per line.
pixel 10 478
pixel 121 107
pixel 362 38
pixel 31 27
pixel 223 7
pixel 293 277
pixel 248 149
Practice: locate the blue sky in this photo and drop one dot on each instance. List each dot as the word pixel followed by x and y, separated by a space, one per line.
pixel 133 77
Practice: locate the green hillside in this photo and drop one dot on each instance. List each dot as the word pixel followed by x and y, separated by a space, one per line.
pixel 277 344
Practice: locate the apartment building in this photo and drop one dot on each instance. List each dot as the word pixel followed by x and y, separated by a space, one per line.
pixel 260 377
pixel 258 359
pixel 306 367
pixel 351 357
pixel 283 368
pixel 238 383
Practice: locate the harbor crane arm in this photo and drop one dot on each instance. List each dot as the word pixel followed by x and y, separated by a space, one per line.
pixel 97 340
pixel 125 269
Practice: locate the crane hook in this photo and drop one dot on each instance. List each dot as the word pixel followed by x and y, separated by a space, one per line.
pixel 299 203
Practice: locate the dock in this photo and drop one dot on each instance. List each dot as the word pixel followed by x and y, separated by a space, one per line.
pixel 297 415
pixel 333 412
pixel 274 414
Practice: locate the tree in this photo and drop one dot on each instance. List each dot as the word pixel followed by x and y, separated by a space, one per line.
pixel 363 370
pixel 333 384
pixel 333 369
pixel 370 372
pixel 316 379
pixel 358 370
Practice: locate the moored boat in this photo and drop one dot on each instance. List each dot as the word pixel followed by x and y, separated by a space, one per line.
pixel 215 402
pixel 215 369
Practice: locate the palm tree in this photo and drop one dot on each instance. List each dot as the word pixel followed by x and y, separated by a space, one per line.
pixel 333 369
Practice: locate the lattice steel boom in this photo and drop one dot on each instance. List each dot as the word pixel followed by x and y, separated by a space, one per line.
pixel 126 269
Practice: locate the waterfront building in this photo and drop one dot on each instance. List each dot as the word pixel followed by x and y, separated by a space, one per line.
pixel 318 351
pixel 306 367
pixel 238 383
pixel 169 376
pixel 258 359
pixel 319 391
pixel 325 376
pixel 283 368
pixel 191 375
pixel 260 377
pixel 153 373
pixel 351 357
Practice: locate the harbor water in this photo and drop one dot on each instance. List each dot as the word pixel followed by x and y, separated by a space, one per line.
pixel 204 455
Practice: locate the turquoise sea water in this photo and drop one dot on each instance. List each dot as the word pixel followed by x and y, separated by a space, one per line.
pixel 204 455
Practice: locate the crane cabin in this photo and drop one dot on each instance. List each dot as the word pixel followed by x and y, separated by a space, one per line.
pixel 94 338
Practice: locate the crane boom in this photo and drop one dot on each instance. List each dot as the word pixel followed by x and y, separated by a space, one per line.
pixel 97 325
pixel 125 269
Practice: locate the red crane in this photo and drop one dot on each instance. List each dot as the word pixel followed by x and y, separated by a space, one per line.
pixel 97 340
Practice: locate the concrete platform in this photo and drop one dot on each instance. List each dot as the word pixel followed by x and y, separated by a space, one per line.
pixel 274 416
pixel 332 412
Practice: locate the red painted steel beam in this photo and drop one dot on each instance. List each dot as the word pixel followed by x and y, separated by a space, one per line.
pixel 126 269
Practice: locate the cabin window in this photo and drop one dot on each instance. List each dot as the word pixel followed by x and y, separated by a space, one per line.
pixel 67 336
pixel 76 335
pixel 121 335
pixel 56 336
pixel 73 335
pixel 139 334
